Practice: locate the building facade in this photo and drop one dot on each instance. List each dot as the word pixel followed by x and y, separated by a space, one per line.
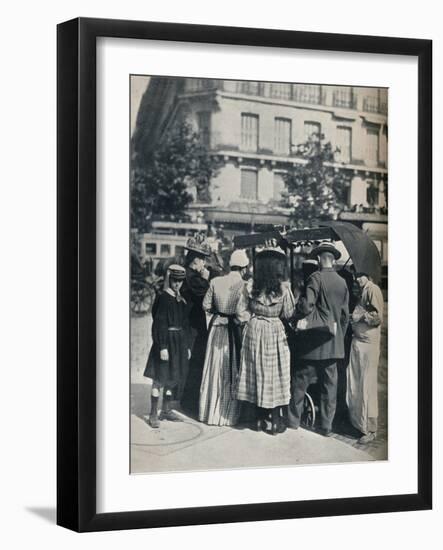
pixel 254 128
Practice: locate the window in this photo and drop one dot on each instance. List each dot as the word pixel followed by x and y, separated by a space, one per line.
pixel 248 184
pixel 279 185
pixel 249 132
pixel 179 250
pixel 372 192
pixel 165 250
pixel 151 249
pixel 280 90
pixel 204 127
pixel 376 101
pixel 344 143
pixel 248 87
pixel 307 94
pixel 312 130
pixel 199 84
pixel 372 146
pixel 383 147
pixel 282 136
pixel 344 97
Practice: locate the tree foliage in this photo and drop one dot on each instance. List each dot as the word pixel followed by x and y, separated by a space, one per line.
pixel 316 190
pixel 162 178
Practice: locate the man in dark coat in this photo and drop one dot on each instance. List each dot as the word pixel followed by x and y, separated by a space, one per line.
pixel 317 351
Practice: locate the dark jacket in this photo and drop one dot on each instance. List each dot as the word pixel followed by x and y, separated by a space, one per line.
pixel 194 290
pixel 328 292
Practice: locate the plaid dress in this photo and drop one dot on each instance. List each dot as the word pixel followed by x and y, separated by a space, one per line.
pixel 218 404
pixel 264 377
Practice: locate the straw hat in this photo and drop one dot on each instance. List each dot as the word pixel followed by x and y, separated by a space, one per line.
pixel 325 247
pixel 198 245
pixel 275 251
pixel 239 258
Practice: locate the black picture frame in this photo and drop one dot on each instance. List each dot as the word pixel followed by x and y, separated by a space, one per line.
pixel 76 294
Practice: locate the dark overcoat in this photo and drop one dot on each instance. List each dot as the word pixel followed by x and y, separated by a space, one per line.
pixel 194 290
pixel 328 292
pixel 169 313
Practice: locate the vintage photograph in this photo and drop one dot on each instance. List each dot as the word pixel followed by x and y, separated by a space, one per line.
pixel 259 274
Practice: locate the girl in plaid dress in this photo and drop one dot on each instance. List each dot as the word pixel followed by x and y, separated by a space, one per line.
pixel 264 377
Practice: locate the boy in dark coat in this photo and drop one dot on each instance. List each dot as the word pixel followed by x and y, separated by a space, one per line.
pixel 170 352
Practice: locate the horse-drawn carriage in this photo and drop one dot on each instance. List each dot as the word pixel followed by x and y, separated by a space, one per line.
pixel 143 285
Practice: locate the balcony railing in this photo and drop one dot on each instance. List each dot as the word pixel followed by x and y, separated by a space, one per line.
pixel 341 97
pixel 307 94
pixel 344 99
pixel 374 105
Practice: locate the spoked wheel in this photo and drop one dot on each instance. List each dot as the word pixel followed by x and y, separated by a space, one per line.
pixel 146 300
pixel 141 300
pixel 308 415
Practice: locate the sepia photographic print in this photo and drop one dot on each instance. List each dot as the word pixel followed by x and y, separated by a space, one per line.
pixel 259 274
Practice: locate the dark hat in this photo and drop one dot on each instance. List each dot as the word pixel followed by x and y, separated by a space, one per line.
pixel 325 247
pixel 177 272
pixel 198 245
pixel 274 251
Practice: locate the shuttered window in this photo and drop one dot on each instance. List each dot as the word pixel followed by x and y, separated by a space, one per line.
pixel 204 127
pixel 282 136
pixel 248 188
pixel 279 186
pixel 372 146
pixel 306 94
pixel 344 143
pixel 343 96
pixel 249 132
pixel 311 130
pixel 280 90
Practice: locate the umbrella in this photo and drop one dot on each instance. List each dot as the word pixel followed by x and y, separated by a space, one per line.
pixel 362 250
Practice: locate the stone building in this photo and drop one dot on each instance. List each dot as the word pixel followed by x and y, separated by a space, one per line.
pixel 254 128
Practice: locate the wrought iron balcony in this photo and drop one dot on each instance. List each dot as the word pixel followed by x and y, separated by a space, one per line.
pixel 374 105
pixel 344 99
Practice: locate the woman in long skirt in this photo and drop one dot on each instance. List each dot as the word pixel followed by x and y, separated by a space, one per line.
pixel 226 301
pixel 264 378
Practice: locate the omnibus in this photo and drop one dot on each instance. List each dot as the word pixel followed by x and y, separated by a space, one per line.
pixel 167 239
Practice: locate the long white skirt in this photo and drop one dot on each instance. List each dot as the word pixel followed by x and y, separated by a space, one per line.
pixel 362 387
pixel 218 405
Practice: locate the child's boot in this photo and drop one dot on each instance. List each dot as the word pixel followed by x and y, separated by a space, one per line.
pixel 167 412
pixel 153 416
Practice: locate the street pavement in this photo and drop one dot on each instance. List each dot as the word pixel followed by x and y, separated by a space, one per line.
pixel 191 445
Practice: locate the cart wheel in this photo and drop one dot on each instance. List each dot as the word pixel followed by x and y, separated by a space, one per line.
pixel 146 300
pixel 308 415
pixel 136 301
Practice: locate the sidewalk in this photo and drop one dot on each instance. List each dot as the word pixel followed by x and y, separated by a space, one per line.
pixel 191 445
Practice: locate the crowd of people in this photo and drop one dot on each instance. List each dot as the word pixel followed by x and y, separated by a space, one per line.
pixel 235 349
